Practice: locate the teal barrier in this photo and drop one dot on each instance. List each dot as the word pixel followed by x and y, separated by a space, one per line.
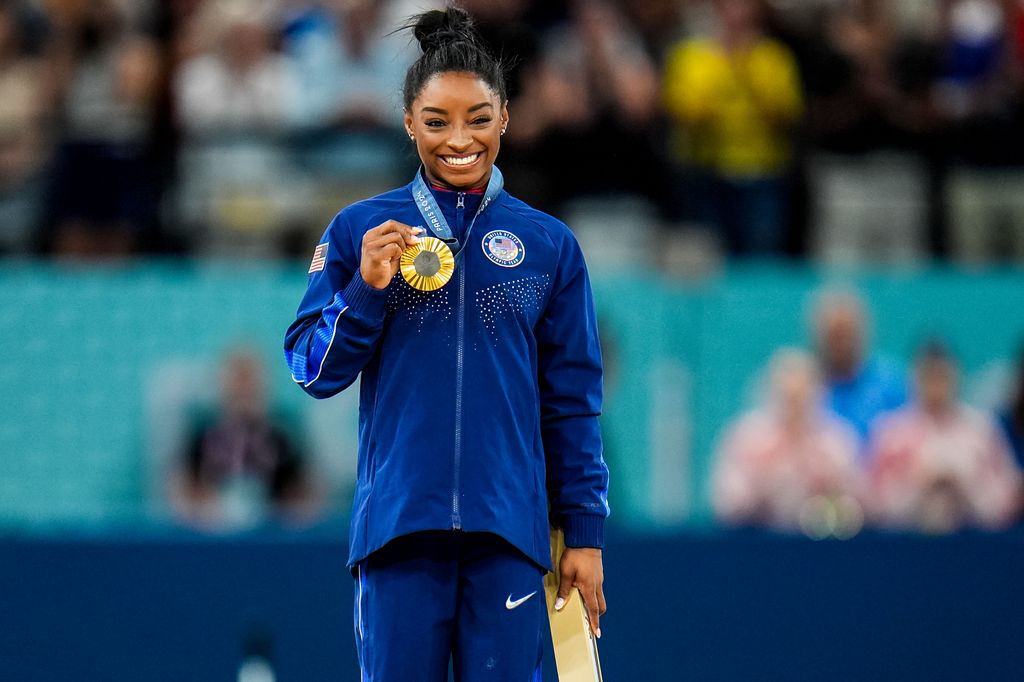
pixel 82 349
pixel 98 364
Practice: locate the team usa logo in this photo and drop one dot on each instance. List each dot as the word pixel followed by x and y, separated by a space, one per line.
pixel 503 248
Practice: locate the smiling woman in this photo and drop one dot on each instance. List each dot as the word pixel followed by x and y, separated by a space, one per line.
pixel 479 395
pixel 455 102
pixel 456 121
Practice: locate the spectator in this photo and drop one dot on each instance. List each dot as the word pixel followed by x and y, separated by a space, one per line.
pixel 869 85
pixel 104 195
pixel 241 84
pixel 939 465
pixel 590 105
pixel 25 131
pixel 858 388
pixel 973 79
pixel 347 61
pixel 236 99
pixel 790 464
pixel 980 98
pixel 735 100
pixel 1012 418
pixel 242 467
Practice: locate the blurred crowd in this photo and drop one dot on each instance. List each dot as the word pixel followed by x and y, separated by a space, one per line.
pixel 837 129
pixel 843 439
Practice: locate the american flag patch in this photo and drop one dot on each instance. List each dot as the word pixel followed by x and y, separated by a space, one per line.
pixel 319 259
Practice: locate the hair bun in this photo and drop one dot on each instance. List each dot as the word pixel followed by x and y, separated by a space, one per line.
pixel 450 43
pixel 439 27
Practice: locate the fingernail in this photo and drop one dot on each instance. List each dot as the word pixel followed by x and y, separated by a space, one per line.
pixel 419 230
pixel 559 603
pixel 598 633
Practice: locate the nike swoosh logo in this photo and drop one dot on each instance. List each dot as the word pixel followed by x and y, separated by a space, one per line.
pixel 509 604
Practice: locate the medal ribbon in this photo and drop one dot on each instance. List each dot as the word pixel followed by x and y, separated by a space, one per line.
pixel 435 220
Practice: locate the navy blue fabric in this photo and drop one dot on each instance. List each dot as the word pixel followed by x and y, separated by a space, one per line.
pixel 428 598
pixel 479 402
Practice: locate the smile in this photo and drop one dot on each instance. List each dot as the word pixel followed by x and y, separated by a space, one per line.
pixel 460 161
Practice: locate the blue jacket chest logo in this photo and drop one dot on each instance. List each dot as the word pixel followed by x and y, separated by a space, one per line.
pixel 503 248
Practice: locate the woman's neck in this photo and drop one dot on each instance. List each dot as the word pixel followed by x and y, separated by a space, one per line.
pixel 438 183
pixel 477 190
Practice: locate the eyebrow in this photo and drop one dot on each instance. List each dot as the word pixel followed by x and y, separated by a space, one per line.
pixel 473 108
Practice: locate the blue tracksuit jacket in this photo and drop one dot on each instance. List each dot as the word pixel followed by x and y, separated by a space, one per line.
pixel 479 401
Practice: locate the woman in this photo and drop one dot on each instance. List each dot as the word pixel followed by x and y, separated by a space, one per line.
pixel 790 465
pixel 470 317
pixel 938 465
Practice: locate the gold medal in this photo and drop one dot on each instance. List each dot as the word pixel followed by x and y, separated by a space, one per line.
pixel 428 265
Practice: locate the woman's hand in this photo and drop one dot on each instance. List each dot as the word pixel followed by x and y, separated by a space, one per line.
pixel 382 250
pixel 582 567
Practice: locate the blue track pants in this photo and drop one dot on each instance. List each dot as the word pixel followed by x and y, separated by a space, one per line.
pixel 429 598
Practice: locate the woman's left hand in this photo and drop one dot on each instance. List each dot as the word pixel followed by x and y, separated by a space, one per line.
pixel 583 567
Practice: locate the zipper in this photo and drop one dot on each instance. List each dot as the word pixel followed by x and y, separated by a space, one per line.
pixel 460 326
pixel 459 358
pixel 460 214
pixel 460 335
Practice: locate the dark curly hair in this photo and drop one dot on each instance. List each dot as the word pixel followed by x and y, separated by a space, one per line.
pixel 450 43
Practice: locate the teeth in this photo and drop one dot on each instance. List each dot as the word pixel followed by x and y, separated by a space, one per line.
pixel 460 161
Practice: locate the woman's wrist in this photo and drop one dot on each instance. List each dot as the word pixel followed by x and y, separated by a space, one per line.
pixel 583 530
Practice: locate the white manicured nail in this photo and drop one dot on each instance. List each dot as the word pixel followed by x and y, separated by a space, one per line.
pixel 559 603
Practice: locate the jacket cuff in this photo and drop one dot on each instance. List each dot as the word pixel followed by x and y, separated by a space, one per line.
pixel 364 299
pixel 583 530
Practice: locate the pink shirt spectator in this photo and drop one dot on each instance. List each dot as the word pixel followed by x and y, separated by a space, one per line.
pixel 939 473
pixel 774 476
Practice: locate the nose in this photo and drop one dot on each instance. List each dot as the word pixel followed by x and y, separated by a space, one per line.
pixel 460 139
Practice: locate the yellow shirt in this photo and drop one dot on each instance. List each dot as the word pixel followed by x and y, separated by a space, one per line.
pixel 733 111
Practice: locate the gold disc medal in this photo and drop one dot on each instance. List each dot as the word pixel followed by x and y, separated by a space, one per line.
pixel 428 265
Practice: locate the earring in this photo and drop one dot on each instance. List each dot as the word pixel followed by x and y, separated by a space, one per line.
pixel 412 137
pixel 502 131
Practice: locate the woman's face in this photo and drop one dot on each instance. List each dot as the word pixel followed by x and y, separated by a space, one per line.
pixel 936 384
pixel 456 121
